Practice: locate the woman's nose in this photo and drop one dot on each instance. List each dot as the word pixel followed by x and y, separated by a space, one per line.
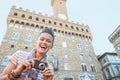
pixel 44 41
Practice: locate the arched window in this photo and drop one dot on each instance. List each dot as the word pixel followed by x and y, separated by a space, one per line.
pixel 82 57
pixel 84 67
pixel 87 48
pixel 28 38
pixel 79 47
pixel 93 68
pixel 66 66
pixel 15 36
pixel 11 24
pixel 90 58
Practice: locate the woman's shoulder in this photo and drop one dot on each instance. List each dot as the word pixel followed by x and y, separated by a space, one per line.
pixel 19 52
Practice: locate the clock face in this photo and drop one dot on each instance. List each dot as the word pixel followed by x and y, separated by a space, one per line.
pixel 62 16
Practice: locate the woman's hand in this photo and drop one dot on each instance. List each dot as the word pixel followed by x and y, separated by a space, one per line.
pixel 24 67
pixel 47 72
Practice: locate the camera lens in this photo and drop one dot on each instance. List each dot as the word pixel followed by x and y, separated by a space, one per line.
pixel 41 66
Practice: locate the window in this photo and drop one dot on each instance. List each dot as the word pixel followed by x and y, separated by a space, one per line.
pixel 61 34
pixel 87 48
pixel 15 14
pixel 27 27
pixel 80 38
pixel 15 36
pixel 82 57
pixel 55 23
pixel 16 25
pixel 11 24
pixel 108 72
pixel 49 22
pixel 30 17
pixel 71 27
pixel 84 68
pixel 93 68
pixel 12 46
pixel 82 30
pixel 26 47
pixel 37 19
pixel 66 25
pixel 23 15
pixel 118 48
pixel 68 36
pixel 117 69
pixel 43 20
pixel 86 30
pixel 32 28
pixel 104 60
pixel 72 36
pixel 66 66
pixel 60 24
pixel 28 38
pixel 77 28
pixel 65 56
pixel 90 58
pixel 68 78
pixel 64 44
pixel 21 26
pixel 79 47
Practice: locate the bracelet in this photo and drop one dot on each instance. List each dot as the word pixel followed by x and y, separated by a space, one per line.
pixel 13 76
pixel 10 77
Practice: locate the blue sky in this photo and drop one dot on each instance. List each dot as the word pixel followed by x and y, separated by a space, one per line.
pixel 102 16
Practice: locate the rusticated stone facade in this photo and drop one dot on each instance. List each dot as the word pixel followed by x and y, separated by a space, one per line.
pixel 73 42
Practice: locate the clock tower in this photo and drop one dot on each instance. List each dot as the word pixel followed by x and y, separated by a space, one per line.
pixel 59 9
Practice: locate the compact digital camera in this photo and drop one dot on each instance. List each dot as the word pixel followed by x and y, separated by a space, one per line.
pixel 39 65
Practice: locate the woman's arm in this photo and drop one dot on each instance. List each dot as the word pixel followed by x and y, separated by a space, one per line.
pixel 7 70
pixel 12 72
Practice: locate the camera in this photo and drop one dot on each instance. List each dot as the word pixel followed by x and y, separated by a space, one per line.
pixel 39 65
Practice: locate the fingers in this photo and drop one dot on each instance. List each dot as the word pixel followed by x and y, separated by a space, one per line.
pixel 27 65
pixel 47 72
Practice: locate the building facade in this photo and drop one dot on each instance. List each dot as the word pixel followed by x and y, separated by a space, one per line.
pixel 110 63
pixel 73 52
pixel 114 38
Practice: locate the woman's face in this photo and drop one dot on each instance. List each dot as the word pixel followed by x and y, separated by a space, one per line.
pixel 44 43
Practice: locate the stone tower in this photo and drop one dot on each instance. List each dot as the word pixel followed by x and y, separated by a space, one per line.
pixel 59 9
pixel 73 47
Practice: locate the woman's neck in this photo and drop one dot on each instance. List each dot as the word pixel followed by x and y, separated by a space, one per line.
pixel 39 56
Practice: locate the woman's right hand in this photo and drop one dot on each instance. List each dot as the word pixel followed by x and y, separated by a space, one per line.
pixel 24 67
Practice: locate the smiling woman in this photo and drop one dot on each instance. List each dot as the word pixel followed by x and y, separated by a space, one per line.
pixel 21 64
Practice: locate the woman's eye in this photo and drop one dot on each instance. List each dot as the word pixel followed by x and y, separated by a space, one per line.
pixel 41 39
pixel 49 41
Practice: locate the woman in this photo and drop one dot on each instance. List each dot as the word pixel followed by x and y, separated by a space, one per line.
pixel 21 64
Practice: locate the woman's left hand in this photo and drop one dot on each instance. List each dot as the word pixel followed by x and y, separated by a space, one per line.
pixel 47 73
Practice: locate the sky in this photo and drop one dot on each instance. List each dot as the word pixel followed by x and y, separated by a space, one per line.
pixel 102 16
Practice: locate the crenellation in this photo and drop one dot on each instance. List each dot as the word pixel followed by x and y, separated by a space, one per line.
pixel 51 17
pixel 20 8
pixel 27 10
pixel 13 7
